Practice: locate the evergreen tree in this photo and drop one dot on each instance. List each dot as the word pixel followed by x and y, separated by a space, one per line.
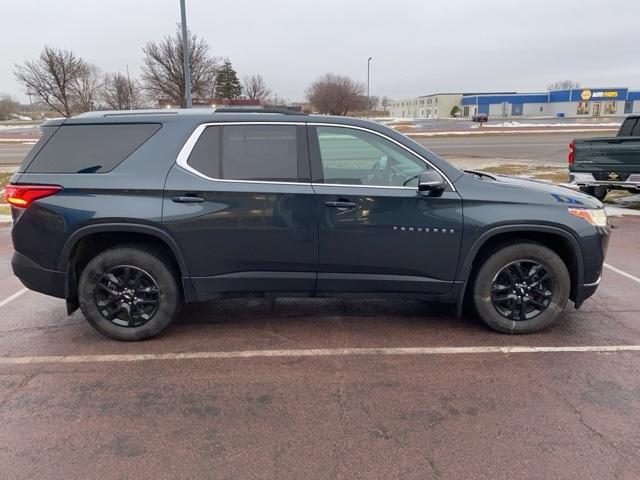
pixel 227 84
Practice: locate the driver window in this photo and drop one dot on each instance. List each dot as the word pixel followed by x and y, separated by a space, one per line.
pixel 355 157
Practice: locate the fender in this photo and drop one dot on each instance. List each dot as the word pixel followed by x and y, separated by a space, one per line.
pixel 157 232
pixel 464 268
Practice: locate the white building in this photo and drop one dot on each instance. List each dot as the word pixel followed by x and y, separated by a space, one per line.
pixel 438 105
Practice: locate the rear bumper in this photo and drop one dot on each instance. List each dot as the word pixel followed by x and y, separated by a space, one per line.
pixel 37 278
pixel 583 179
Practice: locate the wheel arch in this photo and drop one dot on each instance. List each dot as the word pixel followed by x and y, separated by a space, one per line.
pixel 557 239
pixel 101 236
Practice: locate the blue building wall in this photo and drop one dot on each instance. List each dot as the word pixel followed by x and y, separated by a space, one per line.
pixel 556 96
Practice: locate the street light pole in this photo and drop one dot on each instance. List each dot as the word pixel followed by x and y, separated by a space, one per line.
pixel 368 76
pixel 185 54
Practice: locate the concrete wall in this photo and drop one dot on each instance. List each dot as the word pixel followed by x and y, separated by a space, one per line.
pixel 533 110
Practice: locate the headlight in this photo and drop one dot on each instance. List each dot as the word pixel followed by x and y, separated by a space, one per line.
pixel 596 217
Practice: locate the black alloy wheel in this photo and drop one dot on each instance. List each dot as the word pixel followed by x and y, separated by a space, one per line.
pixel 127 296
pixel 522 290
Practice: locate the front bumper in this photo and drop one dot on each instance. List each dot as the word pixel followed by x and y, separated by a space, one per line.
pixel 593 262
pixel 37 278
pixel 585 291
pixel 583 179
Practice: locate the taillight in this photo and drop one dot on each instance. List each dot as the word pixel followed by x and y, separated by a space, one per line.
pixel 24 195
pixel 572 146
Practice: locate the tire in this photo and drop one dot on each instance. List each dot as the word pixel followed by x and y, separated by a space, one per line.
pixel 599 191
pixel 502 264
pixel 159 295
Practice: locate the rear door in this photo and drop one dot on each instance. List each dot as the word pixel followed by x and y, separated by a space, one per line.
pixel 376 233
pixel 240 204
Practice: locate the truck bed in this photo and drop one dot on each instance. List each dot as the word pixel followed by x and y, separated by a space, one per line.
pixel 602 156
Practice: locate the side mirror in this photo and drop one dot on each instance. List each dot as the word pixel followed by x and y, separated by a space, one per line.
pixel 431 183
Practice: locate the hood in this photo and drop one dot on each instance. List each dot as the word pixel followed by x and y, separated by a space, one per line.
pixel 536 191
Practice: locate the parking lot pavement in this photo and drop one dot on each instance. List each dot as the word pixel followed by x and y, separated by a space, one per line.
pixel 273 406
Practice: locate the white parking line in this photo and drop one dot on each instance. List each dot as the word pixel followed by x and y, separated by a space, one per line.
pixel 324 352
pixel 623 273
pixel 10 298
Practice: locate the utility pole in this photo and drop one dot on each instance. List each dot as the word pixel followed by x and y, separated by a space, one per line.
pixel 185 54
pixel 130 102
pixel 368 77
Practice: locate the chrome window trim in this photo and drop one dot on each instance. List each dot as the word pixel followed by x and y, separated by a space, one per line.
pixel 186 149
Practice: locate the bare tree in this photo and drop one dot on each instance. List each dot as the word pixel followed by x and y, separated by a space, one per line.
pixel 121 93
pixel 337 95
pixel 563 85
pixel 51 78
pixel 163 69
pixel 373 102
pixel 8 107
pixel 87 88
pixel 386 102
pixel 255 88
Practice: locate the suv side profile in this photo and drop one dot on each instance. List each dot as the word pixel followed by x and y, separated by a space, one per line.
pixel 127 215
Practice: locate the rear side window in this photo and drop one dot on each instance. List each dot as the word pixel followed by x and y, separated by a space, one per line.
pixel 248 152
pixel 90 148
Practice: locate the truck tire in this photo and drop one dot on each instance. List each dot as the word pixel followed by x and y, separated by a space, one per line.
pixel 521 288
pixel 127 293
pixel 599 191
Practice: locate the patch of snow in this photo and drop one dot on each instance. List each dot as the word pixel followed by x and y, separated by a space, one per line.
pixel 17 127
pixel 512 124
pixel 495 132
pixel 621 211
pixel 632 199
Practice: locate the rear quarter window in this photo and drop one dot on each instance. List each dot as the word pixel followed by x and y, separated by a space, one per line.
pixel 90 148
pixel 47 133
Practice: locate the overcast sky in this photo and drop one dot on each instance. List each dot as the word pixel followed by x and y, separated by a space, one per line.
pixel 418 46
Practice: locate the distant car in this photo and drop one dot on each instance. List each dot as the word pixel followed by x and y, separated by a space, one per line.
pixel 480 117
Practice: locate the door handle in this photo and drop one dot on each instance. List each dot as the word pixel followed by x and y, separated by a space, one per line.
pixel 188 199
pixel 340 204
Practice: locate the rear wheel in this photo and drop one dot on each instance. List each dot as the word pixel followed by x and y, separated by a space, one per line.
pixel 599 191
pixel 521 288
pixel 128 294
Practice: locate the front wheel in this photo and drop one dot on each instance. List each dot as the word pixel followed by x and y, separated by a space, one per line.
pixel 521 288
pixel 128 293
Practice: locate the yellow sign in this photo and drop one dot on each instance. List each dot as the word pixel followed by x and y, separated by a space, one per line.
pixel 587 94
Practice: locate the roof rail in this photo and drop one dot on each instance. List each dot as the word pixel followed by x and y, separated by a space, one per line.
pixel 283 111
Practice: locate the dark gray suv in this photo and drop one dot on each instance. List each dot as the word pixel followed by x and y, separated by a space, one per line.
pixel 129 214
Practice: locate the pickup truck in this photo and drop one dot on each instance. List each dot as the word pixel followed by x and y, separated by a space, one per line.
pixel 597 165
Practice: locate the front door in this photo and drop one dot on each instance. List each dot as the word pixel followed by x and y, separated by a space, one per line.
pixel 242 209
pixel 375 233
pixel 596 109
